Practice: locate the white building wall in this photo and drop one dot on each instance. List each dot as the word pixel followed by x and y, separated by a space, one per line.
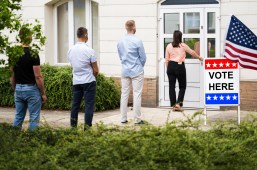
pixel 114 13
pixel 244 10
pixel 32 10
pixel 112 17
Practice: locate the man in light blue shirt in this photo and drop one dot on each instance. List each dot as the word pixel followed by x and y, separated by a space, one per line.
pixel 84 71
pixel 132 55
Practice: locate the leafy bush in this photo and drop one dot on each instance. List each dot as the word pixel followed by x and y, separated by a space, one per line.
pixel 6 92
pixel 226 146
pixel 58 86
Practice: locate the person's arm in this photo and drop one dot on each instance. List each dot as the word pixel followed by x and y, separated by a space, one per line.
pixel 95 69
pixel 93 63
pixel 142 55
pixel 192 52
pixel 40 82
pixel 12 79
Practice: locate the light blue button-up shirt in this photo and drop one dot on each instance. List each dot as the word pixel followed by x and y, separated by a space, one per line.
pixel 132 55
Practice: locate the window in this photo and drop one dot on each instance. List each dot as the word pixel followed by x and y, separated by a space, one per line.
pixel 62 31
pixel 211 22
pixel 69 16
pixel 79 15
pixel 171 23
pixel 191 22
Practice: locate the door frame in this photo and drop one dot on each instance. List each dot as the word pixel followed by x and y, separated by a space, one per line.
pixel 203 9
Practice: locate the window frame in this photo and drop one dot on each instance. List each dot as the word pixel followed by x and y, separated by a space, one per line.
pixel 71 30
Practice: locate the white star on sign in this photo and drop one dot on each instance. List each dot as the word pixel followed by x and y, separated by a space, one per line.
pixel 221 64
pixel 227 64
pixel 234 97
pixel 221 97
pixel 214 65
pixel 228 97
pixel 208 65
pixel 209 97
pixel 234 64
pixel 215 97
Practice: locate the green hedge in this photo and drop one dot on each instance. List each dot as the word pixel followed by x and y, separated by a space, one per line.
pixel 58 86
pixel 227 146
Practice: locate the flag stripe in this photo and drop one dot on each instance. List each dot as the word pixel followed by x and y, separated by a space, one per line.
pixel 240 60
pixel 241 50
pixel 240 63
pixel 239 56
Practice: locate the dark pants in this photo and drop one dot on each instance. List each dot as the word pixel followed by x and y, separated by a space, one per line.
pixel 79 91
pixel 175 72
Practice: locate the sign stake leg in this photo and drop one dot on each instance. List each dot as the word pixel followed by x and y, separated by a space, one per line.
pixel 205 115
pixel 238 114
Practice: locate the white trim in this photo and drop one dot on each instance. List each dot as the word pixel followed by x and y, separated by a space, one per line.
pixel 161 57
pixel 60 3
pixel 71 23
pixel 55 36
pixel 89 22
pixel 191 6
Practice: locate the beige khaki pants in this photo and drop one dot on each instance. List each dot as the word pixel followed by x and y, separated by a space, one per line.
pixel 137 84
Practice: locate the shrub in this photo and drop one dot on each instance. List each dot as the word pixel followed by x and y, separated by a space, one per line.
pixel 226 146
pixel 6 92
pixel 58 86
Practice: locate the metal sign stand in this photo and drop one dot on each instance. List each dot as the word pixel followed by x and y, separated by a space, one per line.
pixel 238 114
pixel 238 104
pixel 205 115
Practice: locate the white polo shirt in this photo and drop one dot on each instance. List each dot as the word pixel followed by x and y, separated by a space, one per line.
pixel 80 57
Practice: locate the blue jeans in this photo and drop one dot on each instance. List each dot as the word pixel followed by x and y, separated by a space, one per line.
pixel 88 91
pixel 27 97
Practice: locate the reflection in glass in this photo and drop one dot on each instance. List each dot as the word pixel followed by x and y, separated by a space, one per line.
pixel 62 31
pixel 191 22
pixel 211 48
pixel 171 23
pixel 166 42
pixel 79 16
pixel 194 44
pixel 211 22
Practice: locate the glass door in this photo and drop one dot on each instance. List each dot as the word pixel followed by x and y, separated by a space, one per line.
pixel 199 28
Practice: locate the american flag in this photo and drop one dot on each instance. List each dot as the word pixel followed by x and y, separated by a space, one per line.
pixel 241 44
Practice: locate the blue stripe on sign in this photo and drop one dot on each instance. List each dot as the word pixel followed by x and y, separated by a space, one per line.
pixel 221 98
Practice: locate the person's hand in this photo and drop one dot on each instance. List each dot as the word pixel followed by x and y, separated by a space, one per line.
pixel 201 58
pixel 44 98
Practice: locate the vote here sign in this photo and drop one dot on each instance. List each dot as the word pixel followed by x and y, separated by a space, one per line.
pixel 221 82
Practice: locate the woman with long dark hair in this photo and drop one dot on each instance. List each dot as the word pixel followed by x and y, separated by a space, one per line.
pixel 174 58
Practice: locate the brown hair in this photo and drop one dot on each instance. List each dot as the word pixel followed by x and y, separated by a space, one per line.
pixel 130 24
pixel 81 31
pixel 177 38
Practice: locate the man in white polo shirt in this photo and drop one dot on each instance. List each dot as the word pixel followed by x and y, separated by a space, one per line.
pixel 84 71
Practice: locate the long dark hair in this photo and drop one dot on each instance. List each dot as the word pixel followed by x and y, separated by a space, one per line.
pixel 177 38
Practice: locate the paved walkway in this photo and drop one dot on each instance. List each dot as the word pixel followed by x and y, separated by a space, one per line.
pixel 154 116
